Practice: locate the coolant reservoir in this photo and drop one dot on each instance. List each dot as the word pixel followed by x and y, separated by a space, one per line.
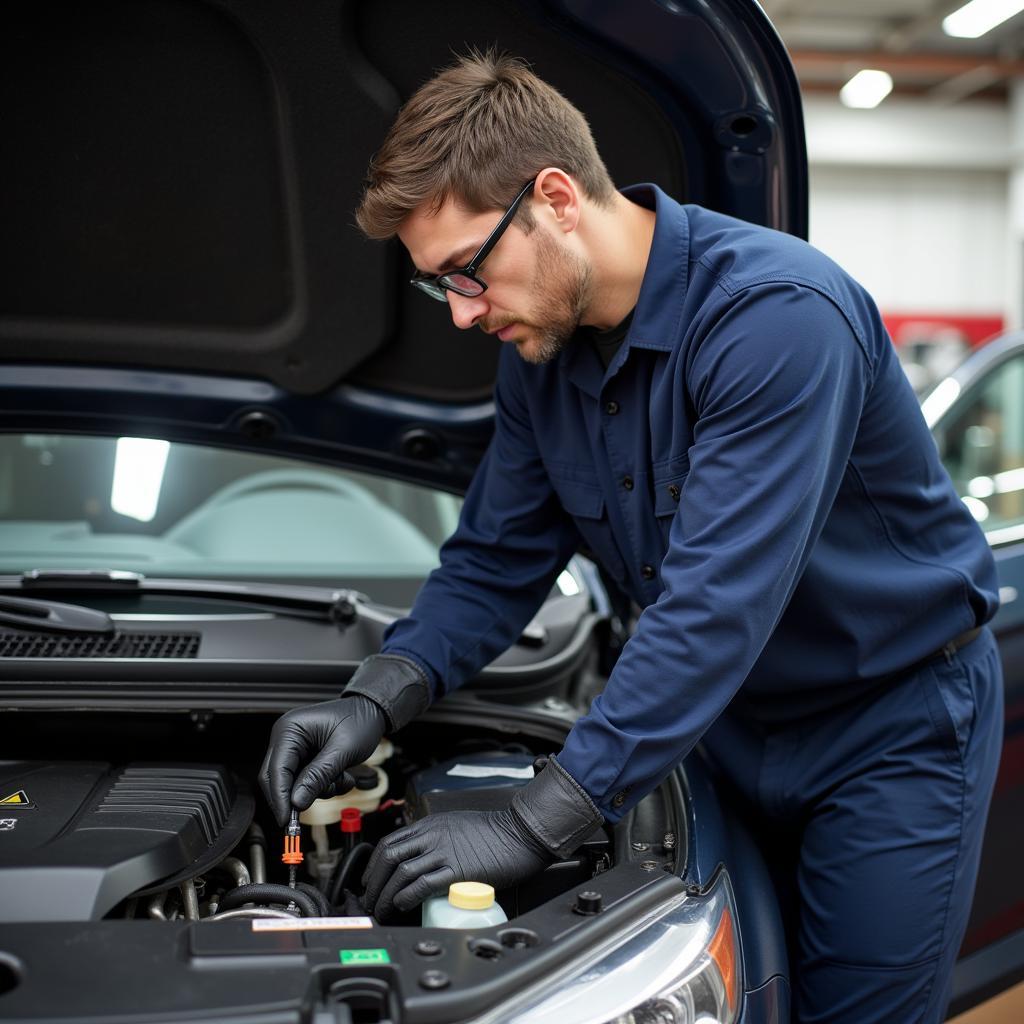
pixel 367 800
pixel 371 785
pixel 467 905
pixel 382 752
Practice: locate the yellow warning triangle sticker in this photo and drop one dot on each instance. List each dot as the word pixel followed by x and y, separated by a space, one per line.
pixel 16 798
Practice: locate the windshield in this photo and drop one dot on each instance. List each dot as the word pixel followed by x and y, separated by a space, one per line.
pixel 186 510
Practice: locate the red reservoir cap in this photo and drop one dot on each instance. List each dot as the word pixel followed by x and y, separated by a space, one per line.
pixel 351 819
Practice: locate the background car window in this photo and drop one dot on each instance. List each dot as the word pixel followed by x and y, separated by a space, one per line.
pixel 177 509
pixel 983 447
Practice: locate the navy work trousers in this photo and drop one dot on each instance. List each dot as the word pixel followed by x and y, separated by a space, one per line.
pixel 871 816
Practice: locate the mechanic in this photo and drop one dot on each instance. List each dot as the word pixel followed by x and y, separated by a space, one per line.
pixel 716 409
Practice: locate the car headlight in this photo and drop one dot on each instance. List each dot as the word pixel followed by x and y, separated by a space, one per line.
pixel 679 965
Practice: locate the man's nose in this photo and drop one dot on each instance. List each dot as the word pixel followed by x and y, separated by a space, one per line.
pixel 466 310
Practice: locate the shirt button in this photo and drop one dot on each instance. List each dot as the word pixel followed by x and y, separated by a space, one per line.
pixel 674 491
pixel 611 408
pixel 627 482
pixel 618 800
pixel 647 571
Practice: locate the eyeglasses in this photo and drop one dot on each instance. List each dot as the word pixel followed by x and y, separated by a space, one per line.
pixel 463 280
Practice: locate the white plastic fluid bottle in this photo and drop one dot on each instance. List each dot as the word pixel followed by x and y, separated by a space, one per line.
pixel 467 905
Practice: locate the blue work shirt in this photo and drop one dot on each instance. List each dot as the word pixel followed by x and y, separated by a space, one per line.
pixel 752 468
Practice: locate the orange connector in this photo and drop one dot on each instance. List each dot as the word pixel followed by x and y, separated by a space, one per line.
pixel 292 850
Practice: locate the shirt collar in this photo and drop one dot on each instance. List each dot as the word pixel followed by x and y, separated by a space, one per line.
pixel 662 292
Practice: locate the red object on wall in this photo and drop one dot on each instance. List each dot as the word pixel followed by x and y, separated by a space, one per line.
pixel 909 327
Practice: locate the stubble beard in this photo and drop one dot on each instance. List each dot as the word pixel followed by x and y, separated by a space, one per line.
pixel 564 280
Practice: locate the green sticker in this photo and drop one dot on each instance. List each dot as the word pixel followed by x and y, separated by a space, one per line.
pixel 364 956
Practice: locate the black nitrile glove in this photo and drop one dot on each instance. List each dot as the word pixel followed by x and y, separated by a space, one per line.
pixel 322 740
pixel 311 747
pixel 547 819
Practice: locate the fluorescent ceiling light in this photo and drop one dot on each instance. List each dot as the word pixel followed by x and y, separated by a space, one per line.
pixel 938 401
pixel 867 88
pixel 980 16
pixel 138 476
pixel 567 583
pixel 977 508
pixel 981 487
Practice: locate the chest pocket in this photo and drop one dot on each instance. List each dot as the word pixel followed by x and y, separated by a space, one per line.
pixel 582 497
pixel 669 479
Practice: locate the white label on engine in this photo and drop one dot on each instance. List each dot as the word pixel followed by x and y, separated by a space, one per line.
pixel 304 924
pixel 487 771
pixel 7 824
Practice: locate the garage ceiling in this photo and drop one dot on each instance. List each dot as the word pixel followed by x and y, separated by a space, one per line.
pixel 830 40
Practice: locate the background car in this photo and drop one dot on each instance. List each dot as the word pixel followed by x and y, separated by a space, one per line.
pixel 977 418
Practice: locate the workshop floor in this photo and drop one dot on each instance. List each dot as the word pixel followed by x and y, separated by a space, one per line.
pixel 1007 1008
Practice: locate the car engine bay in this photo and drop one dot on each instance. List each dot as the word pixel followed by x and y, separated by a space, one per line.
pixel 161 839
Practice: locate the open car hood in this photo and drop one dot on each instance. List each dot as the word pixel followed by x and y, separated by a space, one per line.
pixel 179 253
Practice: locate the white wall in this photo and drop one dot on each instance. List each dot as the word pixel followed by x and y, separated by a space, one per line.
pixel 908 133
pixel 913 200
pixel 919 240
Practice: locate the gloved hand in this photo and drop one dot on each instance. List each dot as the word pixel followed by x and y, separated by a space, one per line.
pixel 325 738
pixel 310 747
pixel 547 819
pixel 425 858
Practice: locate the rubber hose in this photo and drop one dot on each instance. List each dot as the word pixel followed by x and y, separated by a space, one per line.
pixel 348 865
pixel 317 896
pixel 252 914
pixel 268 892
pixel 257 852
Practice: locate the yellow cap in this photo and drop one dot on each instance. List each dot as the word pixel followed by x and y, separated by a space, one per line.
pixel 471 895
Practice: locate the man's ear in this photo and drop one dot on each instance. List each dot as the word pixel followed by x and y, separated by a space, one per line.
pixel 556 196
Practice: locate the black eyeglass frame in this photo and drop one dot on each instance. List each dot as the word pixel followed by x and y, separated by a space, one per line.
pixel 435 285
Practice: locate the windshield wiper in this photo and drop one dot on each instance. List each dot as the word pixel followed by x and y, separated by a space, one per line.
pixel 340 606
pixel 334 604
pixel 81 577
pixel 53 616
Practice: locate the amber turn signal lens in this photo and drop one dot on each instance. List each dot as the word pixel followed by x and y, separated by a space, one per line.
pixel 722 949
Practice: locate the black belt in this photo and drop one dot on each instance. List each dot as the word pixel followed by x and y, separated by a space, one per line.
pixel 948 650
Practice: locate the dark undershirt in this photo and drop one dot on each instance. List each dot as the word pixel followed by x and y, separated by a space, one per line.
pixel 606 343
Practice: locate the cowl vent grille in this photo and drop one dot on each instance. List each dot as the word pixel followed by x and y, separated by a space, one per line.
pixel 88 645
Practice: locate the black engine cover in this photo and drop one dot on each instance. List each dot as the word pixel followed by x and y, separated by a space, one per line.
pixel 78 837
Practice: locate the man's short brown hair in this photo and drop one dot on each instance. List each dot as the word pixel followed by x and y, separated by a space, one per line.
pixel 478 131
